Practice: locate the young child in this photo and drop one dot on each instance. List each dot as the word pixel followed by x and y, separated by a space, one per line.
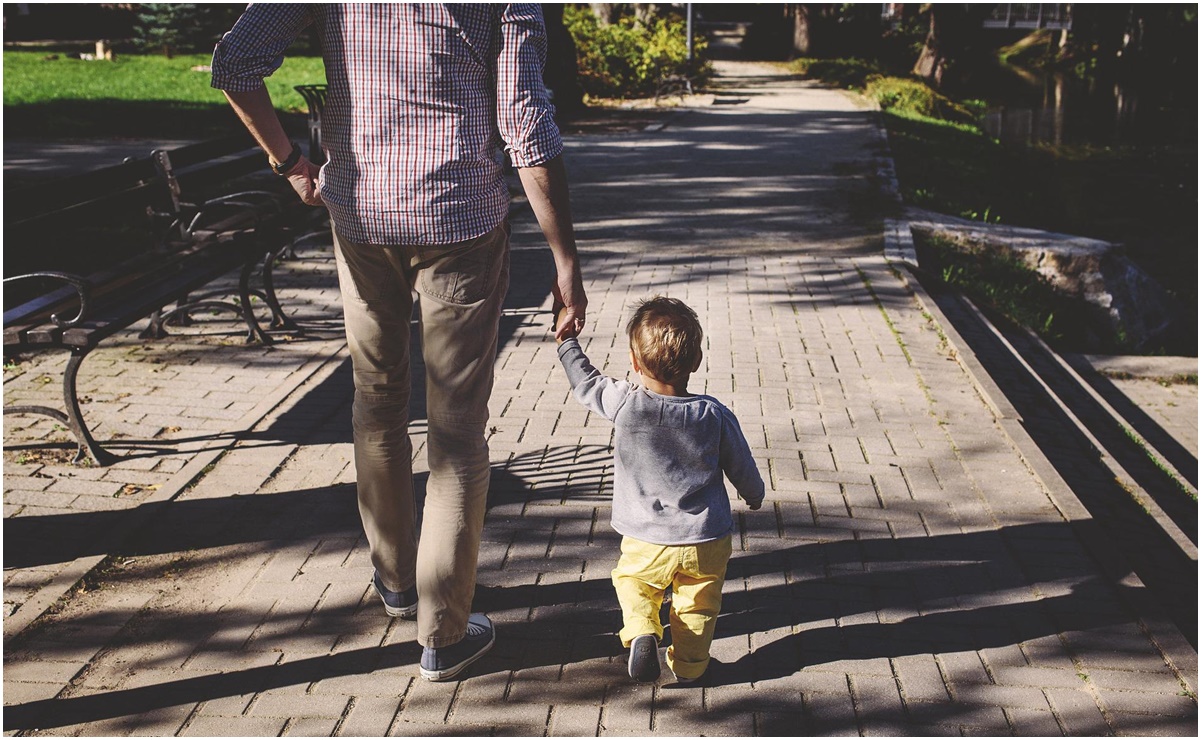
pixel 669 501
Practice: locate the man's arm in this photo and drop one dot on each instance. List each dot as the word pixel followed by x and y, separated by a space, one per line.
pixel 546 188
pixel 526 121
pixel 259 116
pixel 250 51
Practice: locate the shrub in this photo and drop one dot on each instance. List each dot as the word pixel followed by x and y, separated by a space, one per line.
pixel 913 98
pixel 850 73
pixel 630 58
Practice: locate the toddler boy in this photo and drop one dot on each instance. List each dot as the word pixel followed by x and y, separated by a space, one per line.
pixel 669 501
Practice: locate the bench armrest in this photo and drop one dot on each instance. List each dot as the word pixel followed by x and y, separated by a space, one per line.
pixel 244 199
pixel 82 288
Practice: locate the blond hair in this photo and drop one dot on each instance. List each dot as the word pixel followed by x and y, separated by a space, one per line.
pixel 666 338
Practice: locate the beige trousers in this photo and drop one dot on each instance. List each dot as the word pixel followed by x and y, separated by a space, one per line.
pixel 462 287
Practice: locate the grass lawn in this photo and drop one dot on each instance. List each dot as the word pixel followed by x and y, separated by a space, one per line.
pixel 52 95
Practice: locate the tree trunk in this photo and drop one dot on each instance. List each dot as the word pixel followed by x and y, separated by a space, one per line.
pixel 802 43
pixel 644 13
pixel 931 64
pixel 606 13
pixel 561 74
pixel 951 46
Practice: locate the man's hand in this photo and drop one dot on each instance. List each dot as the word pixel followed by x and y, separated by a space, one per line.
pixel 303 179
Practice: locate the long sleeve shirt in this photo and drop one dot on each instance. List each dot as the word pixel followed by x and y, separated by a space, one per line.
pixel 669 455
pixel 420 99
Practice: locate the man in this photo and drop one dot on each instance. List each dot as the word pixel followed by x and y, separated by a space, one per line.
pixel 419 99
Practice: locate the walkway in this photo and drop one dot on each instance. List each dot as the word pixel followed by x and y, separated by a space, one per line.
pixel 909 574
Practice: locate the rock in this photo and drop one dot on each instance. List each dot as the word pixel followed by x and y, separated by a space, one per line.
pixel 1132 304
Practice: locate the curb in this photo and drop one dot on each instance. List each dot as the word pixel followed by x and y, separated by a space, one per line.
pixel 899 252
pixel 1175 649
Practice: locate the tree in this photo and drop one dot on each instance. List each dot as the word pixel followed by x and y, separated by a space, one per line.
pixel 562 73
pixel 951 42
pixel 182 27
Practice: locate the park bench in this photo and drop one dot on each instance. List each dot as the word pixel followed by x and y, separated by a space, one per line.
pixel 208 234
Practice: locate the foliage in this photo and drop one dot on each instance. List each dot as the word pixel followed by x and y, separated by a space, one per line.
pixel 182 27
pixel 631 58
pixel 914 98
pixel 851 73
pixel 133 95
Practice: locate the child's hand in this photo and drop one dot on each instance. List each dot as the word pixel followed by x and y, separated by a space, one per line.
pixel 563 333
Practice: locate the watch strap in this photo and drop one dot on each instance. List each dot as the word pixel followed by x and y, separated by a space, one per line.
pixel 282 168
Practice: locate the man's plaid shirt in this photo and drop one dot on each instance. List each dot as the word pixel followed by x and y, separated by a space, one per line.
pixel 420 99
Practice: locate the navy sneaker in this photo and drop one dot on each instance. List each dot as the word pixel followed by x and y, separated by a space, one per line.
pixel 401 604
pixel 644 658
pixel 444 663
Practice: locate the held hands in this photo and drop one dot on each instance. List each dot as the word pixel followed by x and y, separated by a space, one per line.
pixel 303 179
pixel 569 303
pixel 565 327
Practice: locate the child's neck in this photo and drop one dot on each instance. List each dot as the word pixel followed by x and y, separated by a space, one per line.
pixel 679 389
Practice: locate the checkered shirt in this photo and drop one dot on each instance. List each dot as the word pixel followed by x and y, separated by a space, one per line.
pixel 420 99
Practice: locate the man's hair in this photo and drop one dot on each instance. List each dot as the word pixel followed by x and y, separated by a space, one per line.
pixel 666 337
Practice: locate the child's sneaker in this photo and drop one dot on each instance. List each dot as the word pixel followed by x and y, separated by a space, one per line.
pixel 401 604
pixel 441 664
pixel 644 658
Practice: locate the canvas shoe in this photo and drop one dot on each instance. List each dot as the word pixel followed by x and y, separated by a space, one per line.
pixel 444 663
pixel 401 604
pixel 644 658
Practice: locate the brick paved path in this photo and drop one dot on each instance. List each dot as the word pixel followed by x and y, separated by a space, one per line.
pixel 908 575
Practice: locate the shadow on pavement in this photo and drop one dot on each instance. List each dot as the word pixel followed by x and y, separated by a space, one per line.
pixel 946 594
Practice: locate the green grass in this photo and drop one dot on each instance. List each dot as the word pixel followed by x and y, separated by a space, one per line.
pixel 52 95
pixel 1004 285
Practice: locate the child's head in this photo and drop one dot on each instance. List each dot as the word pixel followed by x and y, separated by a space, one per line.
pixel 665 339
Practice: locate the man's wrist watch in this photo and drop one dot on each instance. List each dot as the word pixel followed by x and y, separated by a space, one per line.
pixel 282 168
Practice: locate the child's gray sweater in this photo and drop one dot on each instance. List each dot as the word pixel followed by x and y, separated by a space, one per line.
pixel 669 454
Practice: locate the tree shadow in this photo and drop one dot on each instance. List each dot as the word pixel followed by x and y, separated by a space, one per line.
pixel 958 592
pixel 1123 525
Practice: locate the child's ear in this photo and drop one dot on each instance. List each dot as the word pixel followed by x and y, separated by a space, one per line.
pixel 700 355
pixel 634 362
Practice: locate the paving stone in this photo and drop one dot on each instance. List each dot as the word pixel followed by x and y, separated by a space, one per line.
pixel 228 727
pixel 370 716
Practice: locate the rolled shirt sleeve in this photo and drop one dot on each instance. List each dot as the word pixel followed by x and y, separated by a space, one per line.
pixel 254 48
pixel 524 113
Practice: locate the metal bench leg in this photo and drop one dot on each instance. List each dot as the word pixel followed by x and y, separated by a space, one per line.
pixel 75 416
pixel 157 328
pixel 254 331
pixel 279 319
pixel 73 419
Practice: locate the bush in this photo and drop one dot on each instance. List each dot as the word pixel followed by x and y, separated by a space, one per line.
pixel 630 58
pixel 850 73
pixel 913 98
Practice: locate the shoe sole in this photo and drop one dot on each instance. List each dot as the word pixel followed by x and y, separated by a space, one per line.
pixel 644 659
pixel 448 673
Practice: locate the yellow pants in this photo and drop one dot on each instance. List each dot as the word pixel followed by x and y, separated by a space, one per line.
pixel 695 573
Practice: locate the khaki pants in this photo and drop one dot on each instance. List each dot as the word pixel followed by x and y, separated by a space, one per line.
pixel 462 287
pixel 695 573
